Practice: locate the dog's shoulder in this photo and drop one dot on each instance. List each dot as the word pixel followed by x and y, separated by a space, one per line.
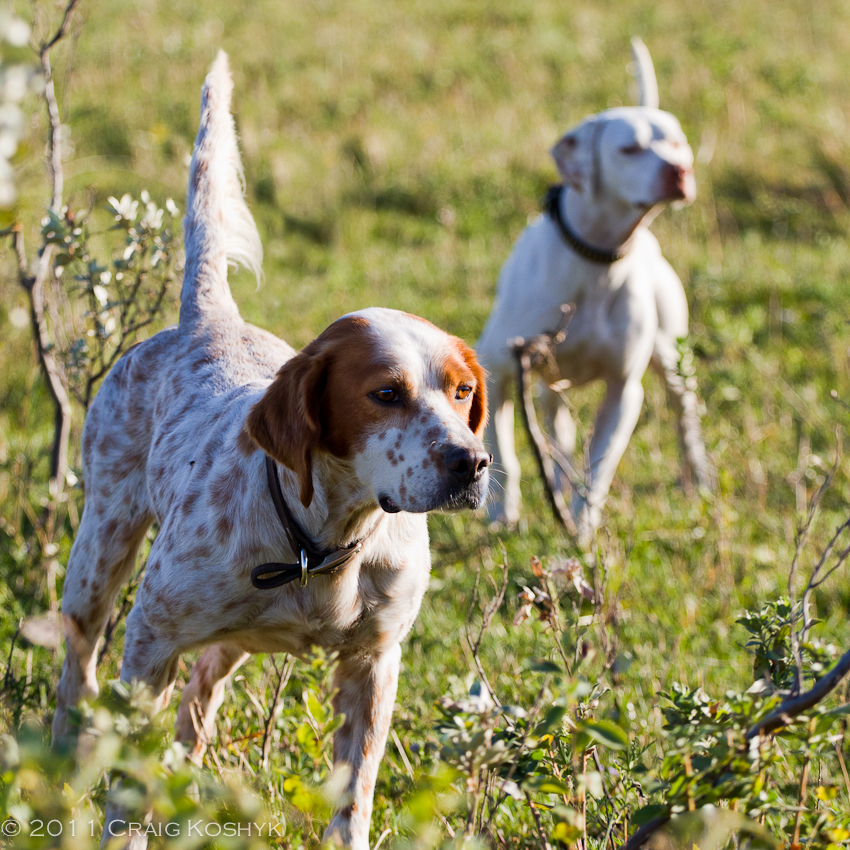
pixel 233 351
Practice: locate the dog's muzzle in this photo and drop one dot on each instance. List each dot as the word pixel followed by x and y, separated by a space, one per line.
pixel 468 476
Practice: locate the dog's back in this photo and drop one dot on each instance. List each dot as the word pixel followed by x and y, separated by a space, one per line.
pixel 175 379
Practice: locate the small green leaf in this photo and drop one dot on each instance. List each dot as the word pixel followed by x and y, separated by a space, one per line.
pixel 566 833
pixel 334 723
pixel 546 785
pixel 647 813
pixel 552 720
pixel 593 782
pixel 606 732
pixel 543 665
pixel 315 708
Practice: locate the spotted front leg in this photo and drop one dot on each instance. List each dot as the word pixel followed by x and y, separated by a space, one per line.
pixel 366 695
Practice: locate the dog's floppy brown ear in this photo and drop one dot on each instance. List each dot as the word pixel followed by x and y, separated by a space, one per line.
pixel 478 410
pixel 577 156
pixel 285 422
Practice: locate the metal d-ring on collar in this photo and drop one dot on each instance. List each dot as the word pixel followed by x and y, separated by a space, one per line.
pixel 552 205
pixel 311 560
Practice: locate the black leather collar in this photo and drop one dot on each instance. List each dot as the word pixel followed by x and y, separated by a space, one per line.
pixel 552 205
pixel 311 560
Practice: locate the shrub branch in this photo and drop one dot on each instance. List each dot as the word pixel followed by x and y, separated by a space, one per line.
pixel 532 356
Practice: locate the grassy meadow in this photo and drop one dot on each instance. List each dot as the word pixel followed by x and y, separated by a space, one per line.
pixel 393 152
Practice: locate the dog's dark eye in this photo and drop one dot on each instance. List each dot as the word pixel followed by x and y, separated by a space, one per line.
pixel 631 149
pixel 386 395
pixel 463 392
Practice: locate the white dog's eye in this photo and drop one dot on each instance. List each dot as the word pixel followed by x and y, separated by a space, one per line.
pixel 632 149
pixel 463 392
pixel 386 395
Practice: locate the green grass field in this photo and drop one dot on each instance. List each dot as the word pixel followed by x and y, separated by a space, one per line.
pixel 393 152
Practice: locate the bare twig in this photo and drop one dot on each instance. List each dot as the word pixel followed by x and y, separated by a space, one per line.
pixel 816 579
pixel 488 611
pixel 804 781
pixel 843 768
pixel 802 536
pixel 643 833
pixel 608 799
pixel 118 616
pixel 274 709
pixel 555 621
pixel 404 759
pixel 541 833
pixel 531 355
pixel 63 27
pixel 380 841
pixel 7 679
pixel 33 284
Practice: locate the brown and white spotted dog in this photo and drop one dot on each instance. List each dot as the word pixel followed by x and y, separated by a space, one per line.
pixel 372 425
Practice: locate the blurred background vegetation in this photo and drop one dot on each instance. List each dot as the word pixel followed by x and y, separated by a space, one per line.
pixel 393 152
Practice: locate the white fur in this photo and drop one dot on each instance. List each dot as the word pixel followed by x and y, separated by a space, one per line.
pixel 218 225
pixel 620 167
pixel 645 75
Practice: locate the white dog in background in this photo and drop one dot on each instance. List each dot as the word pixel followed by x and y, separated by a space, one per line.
pixel 593 250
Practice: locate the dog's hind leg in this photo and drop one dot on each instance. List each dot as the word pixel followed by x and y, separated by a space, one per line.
pixel 150 657
pixel 672 309
pixel 102 558
pixel 204 694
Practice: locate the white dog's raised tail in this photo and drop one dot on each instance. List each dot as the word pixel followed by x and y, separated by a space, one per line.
pixel 647 84
pixel 218 226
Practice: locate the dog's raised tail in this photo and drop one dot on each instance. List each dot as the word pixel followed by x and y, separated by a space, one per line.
pixel 644 71
pixel 218 228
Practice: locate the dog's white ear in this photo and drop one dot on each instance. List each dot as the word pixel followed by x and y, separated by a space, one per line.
pixel 577 156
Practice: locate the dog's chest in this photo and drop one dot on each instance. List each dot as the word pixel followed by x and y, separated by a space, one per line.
pixel 612 330
pixel 365 609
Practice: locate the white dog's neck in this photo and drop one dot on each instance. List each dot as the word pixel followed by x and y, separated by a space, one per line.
pixel 342 510
pixel 603 222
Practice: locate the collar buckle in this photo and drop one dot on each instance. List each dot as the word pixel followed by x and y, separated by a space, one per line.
pixel 271 575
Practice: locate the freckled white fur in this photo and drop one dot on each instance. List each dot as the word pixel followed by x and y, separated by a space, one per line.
pixel 165 441
pixel 419 349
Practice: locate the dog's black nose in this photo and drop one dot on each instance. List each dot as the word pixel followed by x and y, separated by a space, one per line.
pixel 466 464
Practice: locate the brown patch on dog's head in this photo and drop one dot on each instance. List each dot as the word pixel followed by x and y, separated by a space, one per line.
pixel 366 376
pixel 318 399
pixel 463 369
